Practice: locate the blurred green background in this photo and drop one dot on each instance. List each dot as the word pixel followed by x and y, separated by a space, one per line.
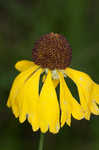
pixel 21 23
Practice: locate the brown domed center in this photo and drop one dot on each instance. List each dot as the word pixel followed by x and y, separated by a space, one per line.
pixel 52 51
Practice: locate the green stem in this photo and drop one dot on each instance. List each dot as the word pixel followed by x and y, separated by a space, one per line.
pixel 41 142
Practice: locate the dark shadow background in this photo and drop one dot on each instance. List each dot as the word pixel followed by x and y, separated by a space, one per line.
pixel 21 23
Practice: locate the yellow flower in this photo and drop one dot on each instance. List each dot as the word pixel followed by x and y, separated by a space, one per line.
pixel 41 106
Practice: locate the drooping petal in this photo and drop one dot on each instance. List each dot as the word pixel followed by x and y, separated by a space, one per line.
pixel 86 88
pixel 94 108
pixel 16 88
pixel 95 99
pixel 95 93
pixel 24 65
pixel 77 110
pixel 18 84
pixel 68 104
pixel 28 99
pixel 49 107
pixel 84 103
pixel 65 103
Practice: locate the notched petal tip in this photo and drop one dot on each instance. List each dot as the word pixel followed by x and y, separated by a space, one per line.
pixel 65 118
pixel 15 111
pixel 44 126
pixel 35 129
pixel 33 120
pixel 22 118
pixel 77 110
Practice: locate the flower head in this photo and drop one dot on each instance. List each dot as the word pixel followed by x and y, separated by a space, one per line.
pixel 40 105
pixel 52 51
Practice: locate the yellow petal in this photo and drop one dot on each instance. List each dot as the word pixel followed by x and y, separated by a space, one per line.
pixel 55 82
pixel 84 104
pixel 49 107
pixel 16 88
pixel 94 108
pixel 77 110
pixel 65 102
pixel 95 93
pixel 94 96
pixel 68 104
pixel 28 99
pixel 18 84
pixel 24 65
pixel 87 90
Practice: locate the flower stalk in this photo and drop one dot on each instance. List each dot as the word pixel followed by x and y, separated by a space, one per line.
pixel 41 142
